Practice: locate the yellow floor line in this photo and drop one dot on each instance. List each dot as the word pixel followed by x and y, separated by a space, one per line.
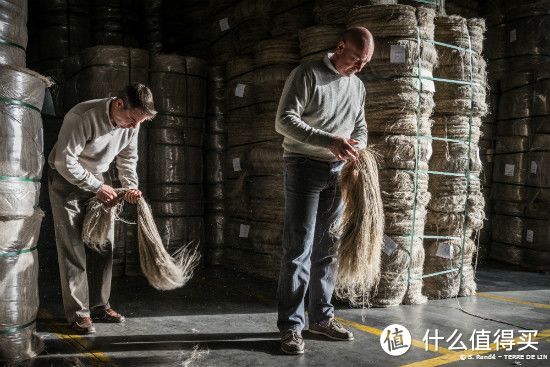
pixel 375 331
pixel 456 356
pixel 76 340
pixel 513 300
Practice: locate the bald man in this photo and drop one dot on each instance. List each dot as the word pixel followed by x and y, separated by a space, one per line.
pixel 321 116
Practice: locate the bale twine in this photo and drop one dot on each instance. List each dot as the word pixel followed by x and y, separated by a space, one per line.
pixel 316 41
pixel 21 156
pixel 102 71
pixel 277 51
pixel 13 33
pixel 19 288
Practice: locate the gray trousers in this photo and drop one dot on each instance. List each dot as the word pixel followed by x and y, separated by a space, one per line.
pixel 85 274
pixel 312 203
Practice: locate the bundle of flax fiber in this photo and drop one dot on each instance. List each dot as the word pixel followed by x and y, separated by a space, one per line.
pixel 399 106
pixel 360 229
pixel 163 271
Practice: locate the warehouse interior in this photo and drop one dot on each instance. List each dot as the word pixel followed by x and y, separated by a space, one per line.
pixel 457 108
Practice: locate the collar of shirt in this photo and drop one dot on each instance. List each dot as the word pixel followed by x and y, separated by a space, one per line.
pixel 107 111
pixel 328 63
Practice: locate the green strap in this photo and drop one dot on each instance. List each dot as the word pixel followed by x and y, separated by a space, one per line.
pixel 20 179
pixel 5 41
pixel 434 237
pixel 17 102
pixel 16 328
pixel 453 81
pixel 16 253
pixel 432 2
pixel 443 139
pixel 449 46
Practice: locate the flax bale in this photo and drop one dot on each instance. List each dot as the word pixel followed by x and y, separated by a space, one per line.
pixel 14 33
pixel 277 51
pixel 246 129
pixel 317 40
pixel 256 159
pixel 290 19
pixel 19 287
pixel 330 12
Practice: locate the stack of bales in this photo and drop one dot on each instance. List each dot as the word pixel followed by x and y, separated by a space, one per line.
pixel 237 30
pixel 316 41
pixel 456 208
pixel 21 161
pixel 519 72
pixel 115 22
pixel 253 163
pixel 151 13
pixel 13 33
pixel 100 72
pixel 213 162
pixel 220 46
pixel 398 106
pixel 289 16
pixel 175 154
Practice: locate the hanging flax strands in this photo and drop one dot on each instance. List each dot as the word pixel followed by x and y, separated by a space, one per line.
pixel 163 271
pixel 361 229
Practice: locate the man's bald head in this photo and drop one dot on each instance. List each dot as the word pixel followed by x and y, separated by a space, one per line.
pixel 353 51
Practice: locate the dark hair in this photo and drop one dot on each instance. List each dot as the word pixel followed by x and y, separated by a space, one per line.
pixel 138 95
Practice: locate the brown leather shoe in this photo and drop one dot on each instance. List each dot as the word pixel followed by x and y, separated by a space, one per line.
pixel 108 315
pixel 83 325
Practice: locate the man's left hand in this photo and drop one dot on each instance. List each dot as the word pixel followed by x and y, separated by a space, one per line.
pixel 132 196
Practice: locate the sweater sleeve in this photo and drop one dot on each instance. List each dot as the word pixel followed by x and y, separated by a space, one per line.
pixel 288 121
pixel 126 162
pixel 360 131
pixel 73 135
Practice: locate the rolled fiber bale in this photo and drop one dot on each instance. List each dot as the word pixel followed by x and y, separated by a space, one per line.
pixel 13 33
pixel 289 22
pixel 19 286
pixel 242 130
pixel 176 200
pixel 277 51
pixel 329 12
pixel 398 151
pixel 216 93
pixel 255 159
pixel 316 41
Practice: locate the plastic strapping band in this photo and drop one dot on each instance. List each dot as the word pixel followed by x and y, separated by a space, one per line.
pixel 16 253
pixel 15 329
pixel 450 46
pixel 10 43
pixel 17 102
pixel 432 2
pixel 21 179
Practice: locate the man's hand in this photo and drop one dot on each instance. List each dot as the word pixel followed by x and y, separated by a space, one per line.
pixel 343 148
pixel 132 196
pixel 107 195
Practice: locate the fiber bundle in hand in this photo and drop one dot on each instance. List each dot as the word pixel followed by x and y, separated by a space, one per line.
pixel 163 271
pixel 361 229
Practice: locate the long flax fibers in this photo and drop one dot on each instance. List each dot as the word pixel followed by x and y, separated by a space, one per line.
pixel 163 271
pixel 361 229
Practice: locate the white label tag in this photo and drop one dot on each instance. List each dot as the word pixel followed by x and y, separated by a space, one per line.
pixel 398 54
pixel 236 164
pixel 529 236
pixel 239 90
pixel 445 250
pixel 244 230
pixel 509 169
pixel 513 35
pixel 224 24
pixel 534 167
pixel 389 247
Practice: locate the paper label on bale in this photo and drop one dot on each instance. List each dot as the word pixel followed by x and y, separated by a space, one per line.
pixel 244 230
pixel 534 167
pixel 239 90
pixel 236 164
pixel 389 247
pixel 224 24
pixel 445 250
pixel 529 236
pixel 513 35
pixel 398 54
pixel 509 169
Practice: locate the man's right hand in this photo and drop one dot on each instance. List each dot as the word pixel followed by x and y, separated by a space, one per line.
pixel 107 195
pixel 343 148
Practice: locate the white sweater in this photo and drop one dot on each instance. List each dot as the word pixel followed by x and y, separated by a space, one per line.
pixel 87 144
pixel 317 104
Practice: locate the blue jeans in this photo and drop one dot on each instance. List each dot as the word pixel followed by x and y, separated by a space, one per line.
pixel 312 203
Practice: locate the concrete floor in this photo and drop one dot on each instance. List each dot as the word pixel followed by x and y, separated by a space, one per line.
pixel 230 321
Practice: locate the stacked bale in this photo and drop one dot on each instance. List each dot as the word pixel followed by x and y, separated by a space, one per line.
pixel 175 149
pixel 100 72
pixel 456 208
pixel 21 161
pixel 398 106
pixel 290 16
pixel 188 18
pixel 253 163
pixel 214 158
pixel 316 41
pixel 115 22
pixel 152 13
pixel 13 32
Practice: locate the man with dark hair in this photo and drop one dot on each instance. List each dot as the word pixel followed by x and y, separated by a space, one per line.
pixel 93 134
pixel 321 116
